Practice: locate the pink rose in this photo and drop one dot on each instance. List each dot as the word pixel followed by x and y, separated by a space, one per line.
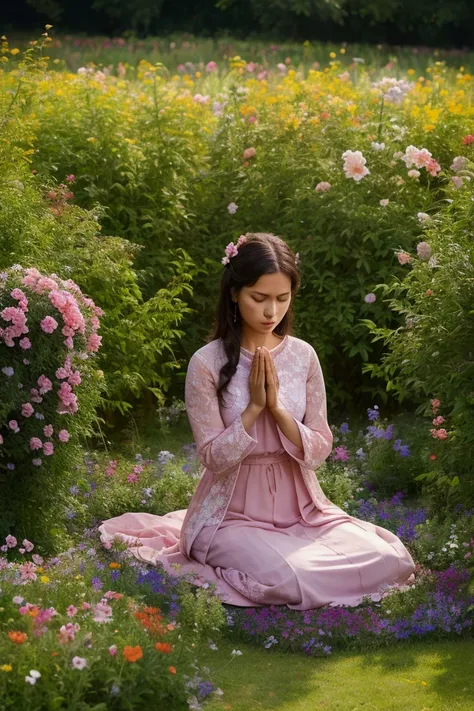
pixel 48 449
pixel 63 436
pixel 27 409
pixel 49 324
pixel 35 443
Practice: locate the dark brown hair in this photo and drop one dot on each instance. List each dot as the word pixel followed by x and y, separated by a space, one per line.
pixel 262 253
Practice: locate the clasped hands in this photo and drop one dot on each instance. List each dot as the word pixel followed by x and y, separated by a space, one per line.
pixel 263 380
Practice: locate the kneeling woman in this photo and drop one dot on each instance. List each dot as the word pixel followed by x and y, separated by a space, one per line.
pixel 259 525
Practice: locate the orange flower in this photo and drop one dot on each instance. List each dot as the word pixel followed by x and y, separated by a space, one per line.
pixel 18 637
pixel 132 654
pixel 54 654
pixel 172 670
pixel 152 610
pixel 115 565
pixel 164 647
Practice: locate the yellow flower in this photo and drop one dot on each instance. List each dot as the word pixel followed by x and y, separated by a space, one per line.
pixel 39 569
pixel 6 667
pixel 14 51
pixel 44 579
pixel 411 72
pixel 78 577
pixel 198 75
pixel 332 55
pixel 342 50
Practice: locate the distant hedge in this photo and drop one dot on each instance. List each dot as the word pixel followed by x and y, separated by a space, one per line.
pixel 444 23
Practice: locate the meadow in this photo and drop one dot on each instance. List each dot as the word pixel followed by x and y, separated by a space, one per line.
pixel 125 170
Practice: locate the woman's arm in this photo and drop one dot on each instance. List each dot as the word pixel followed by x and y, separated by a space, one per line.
pixel 218 447
pixel 316 435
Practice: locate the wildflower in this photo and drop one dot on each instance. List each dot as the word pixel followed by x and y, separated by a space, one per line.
pixel 164 647
pixel 468 140
pixel 211 67
pixel 11 541
pixel 423 216
pixel 67 632
pixel 79 663
pixel 17 600
pixel 17 637
pixel 459 163
pixel 13 425
pixel 439 434
pixel 172 670
pixel 414 173
pixel 323 187
pixel 457 181
pixel 384 202
pixel 6 667
pixel 132 654
pixel 424 251
pixel 354 165
pixel 102 612
pixel 63 436
pixel 378 146
pixel 71 611
pixel 249 153
pixel 33 676
pixel 113 650
pixel 403 258
pixel 27 571
pixel 232 208
pixel 370 298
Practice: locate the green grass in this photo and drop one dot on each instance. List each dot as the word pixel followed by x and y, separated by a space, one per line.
pixel 408 677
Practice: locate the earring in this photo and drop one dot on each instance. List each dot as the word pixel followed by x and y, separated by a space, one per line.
pixel 235 313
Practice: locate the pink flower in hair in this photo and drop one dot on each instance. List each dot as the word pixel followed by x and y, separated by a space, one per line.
pixel 230 251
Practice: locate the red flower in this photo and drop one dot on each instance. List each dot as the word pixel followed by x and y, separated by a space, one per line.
pixel 467 140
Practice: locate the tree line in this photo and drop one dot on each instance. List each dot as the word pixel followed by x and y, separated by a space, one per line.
pixel 444 23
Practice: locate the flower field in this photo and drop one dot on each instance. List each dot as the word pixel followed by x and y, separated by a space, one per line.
pixel 122 181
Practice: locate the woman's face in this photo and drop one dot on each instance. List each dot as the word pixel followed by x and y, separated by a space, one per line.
pixel 266 301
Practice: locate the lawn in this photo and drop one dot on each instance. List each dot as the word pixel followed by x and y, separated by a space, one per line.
pixel 418 677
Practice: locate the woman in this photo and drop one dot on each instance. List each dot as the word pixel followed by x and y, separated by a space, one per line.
pixel 259 525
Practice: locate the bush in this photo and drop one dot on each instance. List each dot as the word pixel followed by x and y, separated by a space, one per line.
pixel 431 354
pixel 58 383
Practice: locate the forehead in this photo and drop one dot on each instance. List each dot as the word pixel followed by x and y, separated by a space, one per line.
pixel 277 283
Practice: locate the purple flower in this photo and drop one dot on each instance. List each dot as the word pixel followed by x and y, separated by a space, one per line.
pixel 97 583
pixel 373 414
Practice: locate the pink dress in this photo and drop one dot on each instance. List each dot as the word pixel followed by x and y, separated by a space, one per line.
pixel 273 544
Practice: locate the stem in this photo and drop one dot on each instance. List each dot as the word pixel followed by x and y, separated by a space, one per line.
pixel 379 132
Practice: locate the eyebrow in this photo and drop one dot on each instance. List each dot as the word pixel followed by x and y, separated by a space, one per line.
pixel 260 293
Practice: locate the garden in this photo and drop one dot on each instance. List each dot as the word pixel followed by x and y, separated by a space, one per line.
pixel 126 167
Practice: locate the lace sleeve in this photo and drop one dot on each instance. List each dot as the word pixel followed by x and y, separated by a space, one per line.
pixel 315 432
pixel 218 447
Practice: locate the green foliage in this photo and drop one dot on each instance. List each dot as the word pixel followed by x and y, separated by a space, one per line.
pixel 40 227
pixel 431 354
